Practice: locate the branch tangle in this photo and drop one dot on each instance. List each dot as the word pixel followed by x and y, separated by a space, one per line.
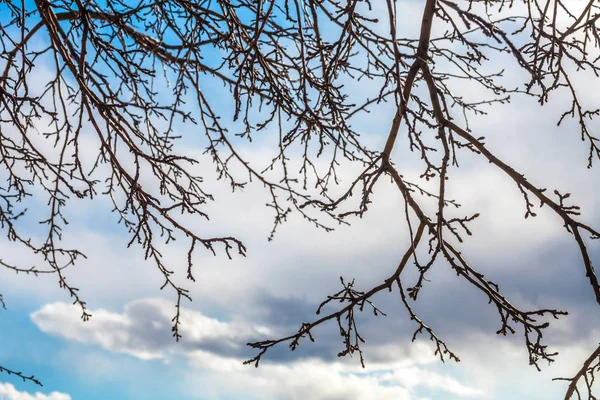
pixel 435 113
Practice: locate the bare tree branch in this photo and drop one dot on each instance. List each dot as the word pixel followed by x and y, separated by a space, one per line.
pixel 95 97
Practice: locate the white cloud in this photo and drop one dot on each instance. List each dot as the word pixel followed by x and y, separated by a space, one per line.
pixel 412 377
pixel 9 392
pixel 321 380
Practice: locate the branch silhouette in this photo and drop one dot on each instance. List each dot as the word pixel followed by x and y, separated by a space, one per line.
pixel 97 99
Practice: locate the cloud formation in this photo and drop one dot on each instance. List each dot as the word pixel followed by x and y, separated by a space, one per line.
pixel 143 329
pixel 316 379
pixel 215 348
pixel 9 392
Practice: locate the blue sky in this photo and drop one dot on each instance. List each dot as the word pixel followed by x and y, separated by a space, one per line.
pixel 126 350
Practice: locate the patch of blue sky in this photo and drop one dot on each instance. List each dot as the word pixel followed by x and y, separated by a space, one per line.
pixel 78 369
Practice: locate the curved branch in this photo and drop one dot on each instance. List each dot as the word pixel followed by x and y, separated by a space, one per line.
pixel 586 369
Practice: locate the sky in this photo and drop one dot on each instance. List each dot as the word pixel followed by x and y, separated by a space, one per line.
pixel 126 351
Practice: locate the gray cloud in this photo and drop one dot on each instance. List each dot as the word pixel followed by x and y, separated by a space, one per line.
pixel 213 346
pixel 143 329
